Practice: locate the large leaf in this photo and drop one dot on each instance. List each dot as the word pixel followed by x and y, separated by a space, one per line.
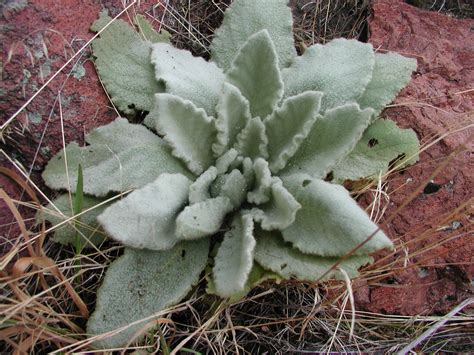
pixel 381 144
pixel 246 17
pixel 145 219
pixel 392 72
pixel 189 77
pixel 234 258
pixel 123 64
pixel 274 254
pixel 289 125
pixel 330 222
pixel 341 69
pixel 233 114
pixel 203 218
pixel 255 72
pixel 120 156
pixel 84 226
pixel 186 128
pixel 141 283
pixel 332 137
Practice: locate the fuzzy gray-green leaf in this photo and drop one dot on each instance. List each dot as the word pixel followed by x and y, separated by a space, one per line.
pixel 252 141
pixel 246 17
pixel 187 129
pixel 333 136
pixel 330 222
pixel 145 219
pixel 234 186
pixel 199 191
pixel 234 258
pixel 280 211
pixel 202 219
pixel 233 114
pixel 254 71
pixel 120 156
pixel 86 226
pixel 392 72
pixel 123 63
pixel 274 254
pixel 341 69
pixel 141 283
pixel 288 126
pixel 263 182
pixel 191 78
pixel 381 144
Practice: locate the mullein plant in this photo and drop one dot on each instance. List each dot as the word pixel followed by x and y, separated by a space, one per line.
pixel 229 171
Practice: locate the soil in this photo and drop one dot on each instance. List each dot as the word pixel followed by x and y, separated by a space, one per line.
pixel 39 36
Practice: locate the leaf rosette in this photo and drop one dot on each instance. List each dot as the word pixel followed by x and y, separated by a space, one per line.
pixel 239 161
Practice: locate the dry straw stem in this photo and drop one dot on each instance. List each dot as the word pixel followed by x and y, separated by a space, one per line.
pixel 47 289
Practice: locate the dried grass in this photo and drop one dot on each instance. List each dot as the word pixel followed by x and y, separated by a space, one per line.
pixel 47 289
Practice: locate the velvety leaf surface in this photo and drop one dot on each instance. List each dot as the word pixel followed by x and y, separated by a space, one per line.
pixel 234 186
pixel 141 283
pixel 248 171
pixel 121 135
pixel 145 219
pixel 392 72
pixel 187 129
pixel 191 78
pixel 263 182
pixel 288 126
pixel 120 156
pixel 224 162
pixel 123 63
pixel 246 17
pixel 234 258
pixel 330 222
pixel 256 276
pixel 84 226
pixel 252 141
pixel 254 71
pixel 280 211
pixel 341 69
pixel 333 136
pixel 202 219
pixel 381 143
pixel 199 191
pixel 274 254
pixel 233 114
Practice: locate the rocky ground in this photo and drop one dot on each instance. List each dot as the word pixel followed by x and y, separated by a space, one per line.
pixel 433 268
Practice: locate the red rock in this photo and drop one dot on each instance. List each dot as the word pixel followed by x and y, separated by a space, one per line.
pixel 437 100
pixel 37 40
